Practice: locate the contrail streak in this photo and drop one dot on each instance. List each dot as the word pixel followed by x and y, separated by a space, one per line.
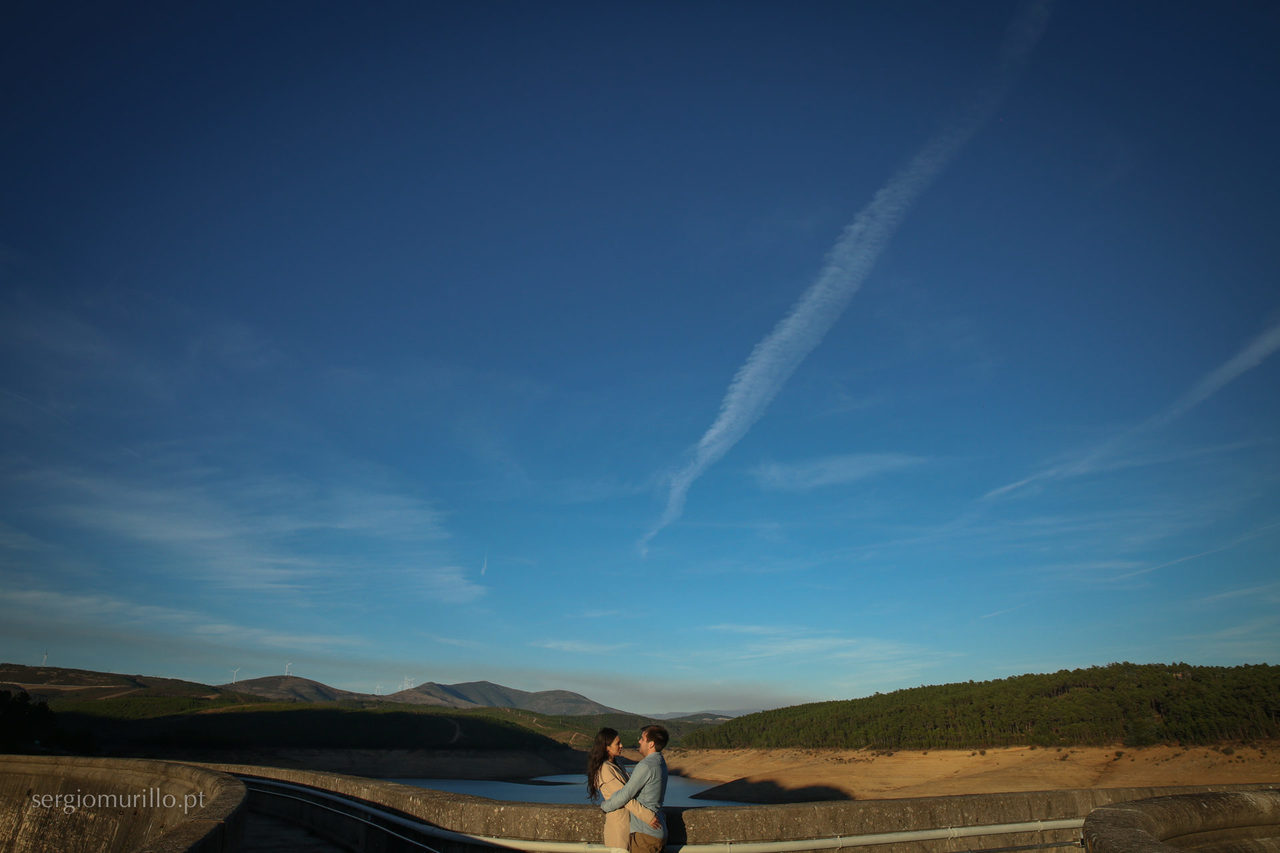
pixel 1254 353
pixel 847 265
pixel 1250 356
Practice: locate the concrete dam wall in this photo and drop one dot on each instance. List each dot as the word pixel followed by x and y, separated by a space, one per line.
pixel 1219 822
pixel 102 805
pixel 71 804
pixel 464 823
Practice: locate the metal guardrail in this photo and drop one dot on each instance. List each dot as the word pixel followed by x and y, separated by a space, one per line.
pixel 384 821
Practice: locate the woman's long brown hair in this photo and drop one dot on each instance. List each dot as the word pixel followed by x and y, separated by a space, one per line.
pixel 598 756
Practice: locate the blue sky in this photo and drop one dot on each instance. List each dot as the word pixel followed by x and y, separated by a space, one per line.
pixel 685 355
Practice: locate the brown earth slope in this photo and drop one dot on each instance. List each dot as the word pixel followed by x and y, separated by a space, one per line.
pixel 753 775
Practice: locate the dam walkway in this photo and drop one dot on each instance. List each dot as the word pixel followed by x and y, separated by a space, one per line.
pixel 266 834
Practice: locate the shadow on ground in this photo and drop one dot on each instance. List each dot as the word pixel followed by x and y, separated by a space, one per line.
pixel 770 792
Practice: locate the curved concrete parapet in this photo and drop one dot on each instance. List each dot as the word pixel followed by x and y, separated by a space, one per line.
pixel 68 803
pixel 1212 822
pixel 475 823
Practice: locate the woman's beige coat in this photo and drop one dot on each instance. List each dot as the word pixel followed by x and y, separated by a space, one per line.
pixel 617 824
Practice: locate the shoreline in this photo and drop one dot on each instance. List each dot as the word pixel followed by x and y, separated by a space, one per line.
pixel 807 775
pixel 496 765
pixel 774 776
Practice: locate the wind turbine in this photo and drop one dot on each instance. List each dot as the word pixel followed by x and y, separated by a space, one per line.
pixel 44 660
pixel 286 667
pixel 233 674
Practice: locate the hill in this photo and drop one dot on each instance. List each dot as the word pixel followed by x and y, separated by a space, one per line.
pixel 60 685
pixel 135 714
pixel 430 693
pixel 131 726
pixel 471 694
pixel 486 694
pixel 1122 703
pixel 50 683
pixel 291 688
pixel 212 728
pixel 708 717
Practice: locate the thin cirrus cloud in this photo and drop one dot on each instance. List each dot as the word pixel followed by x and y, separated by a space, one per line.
pixel 878 663
pixel 761 630
pixel 457 642
pixel 241 531
pixel 53 337
pixel 1102 456
pixel 218 542
pixel 830 470
pixel 1250 356
pixel 1254 639
pixel 1267 592
pixel 578 647
pixel 777 356
pixel 14 540
pixel 778 641
pixel 52 608
pixel 1264 530
pixel 448 584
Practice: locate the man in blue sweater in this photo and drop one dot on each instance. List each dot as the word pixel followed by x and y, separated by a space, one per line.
pixel 648 786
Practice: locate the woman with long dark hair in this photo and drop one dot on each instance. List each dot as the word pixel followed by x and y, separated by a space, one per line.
pixel 604 778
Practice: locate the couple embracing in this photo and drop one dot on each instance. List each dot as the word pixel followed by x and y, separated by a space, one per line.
pixel 633 807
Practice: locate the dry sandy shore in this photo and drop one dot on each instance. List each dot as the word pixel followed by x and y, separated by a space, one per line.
pixel 778 775
pixel 800 775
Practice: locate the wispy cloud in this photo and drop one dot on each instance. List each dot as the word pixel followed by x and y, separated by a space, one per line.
pixel 1086 571
pixel 1265 592
pixel 51 335
pixel 1102 456
pixel 781 641
pixel 830 470
pixel 448 584
pixel 458 642
pixel 846 665
pixel 767 630
pixel 776 357
pixel 109 612
pixel 1252 640
pixel 226 544
pixel 12 539
pixel 578 647
pixel 236 346
pixel 1239 540
pixel 1253 354
pixel 254 531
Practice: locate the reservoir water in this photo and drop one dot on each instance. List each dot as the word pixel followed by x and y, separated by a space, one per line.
pixel 565 788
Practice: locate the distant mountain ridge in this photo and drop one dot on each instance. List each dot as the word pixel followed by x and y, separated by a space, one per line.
pixel 704 716
pixel 291 688
pixel 471 694
pixel 49 682
pixel 486 694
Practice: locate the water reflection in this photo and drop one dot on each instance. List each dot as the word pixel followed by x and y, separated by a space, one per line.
pixel 563 788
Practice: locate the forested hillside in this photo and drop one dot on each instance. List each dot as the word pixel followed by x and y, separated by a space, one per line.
pixel 130 723
pixel 1133 704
